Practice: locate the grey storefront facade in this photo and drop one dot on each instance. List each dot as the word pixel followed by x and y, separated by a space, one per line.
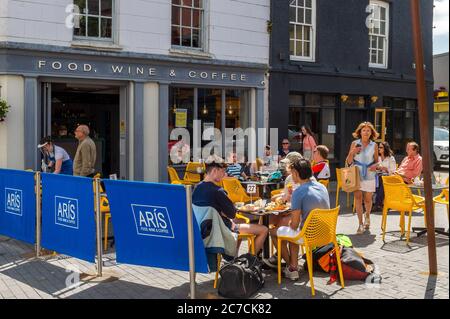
pixel 144 85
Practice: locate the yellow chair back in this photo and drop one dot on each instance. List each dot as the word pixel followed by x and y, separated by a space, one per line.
pixel 192 166
pixel 338 178
pixel 397 195
pixel 234 189
pixel 320 227
pixel 173 175
pixel 393 179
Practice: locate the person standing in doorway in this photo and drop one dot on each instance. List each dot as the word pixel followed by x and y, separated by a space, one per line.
pixel 85 157
pixel 364 154
pixel 309 143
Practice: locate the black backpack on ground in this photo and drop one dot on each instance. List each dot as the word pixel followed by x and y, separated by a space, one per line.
pixel 241 278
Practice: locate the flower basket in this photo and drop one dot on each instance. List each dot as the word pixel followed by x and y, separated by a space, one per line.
pixel 4 109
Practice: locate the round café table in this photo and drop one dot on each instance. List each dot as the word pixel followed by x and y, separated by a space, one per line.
pixel 435 188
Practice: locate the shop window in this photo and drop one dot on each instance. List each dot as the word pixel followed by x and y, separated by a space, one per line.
pixel 187 23
pixel 94 19
pixel 328 130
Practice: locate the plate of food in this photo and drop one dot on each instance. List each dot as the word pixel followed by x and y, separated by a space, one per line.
pixel 278 206
pixel 251 207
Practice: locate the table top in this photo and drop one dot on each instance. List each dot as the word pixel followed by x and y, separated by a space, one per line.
pixel 435 187
pixel 260 183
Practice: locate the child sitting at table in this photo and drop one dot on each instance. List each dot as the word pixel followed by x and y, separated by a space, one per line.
pixel 321 169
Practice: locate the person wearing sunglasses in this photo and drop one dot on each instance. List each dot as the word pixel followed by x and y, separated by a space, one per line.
pixel 284 150
pixel 386 166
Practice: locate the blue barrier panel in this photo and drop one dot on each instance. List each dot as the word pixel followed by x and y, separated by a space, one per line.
pixel 68 216
pixel 18 205
pixel 150 225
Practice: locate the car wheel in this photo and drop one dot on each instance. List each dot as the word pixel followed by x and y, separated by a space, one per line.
pixel 436 164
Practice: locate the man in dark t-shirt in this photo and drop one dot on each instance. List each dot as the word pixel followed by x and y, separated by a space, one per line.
pixel 207 193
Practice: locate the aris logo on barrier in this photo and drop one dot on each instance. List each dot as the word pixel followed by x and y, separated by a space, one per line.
pixel 66 212
pixel 13 201
pixel 152 221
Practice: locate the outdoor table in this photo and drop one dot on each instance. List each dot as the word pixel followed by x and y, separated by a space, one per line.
pixel 265 214
pixel 422 230
pixel 263 185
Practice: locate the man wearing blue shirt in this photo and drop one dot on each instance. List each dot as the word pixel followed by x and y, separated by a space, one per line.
pixel 308 196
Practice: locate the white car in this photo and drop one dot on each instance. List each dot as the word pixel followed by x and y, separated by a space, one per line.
pixel 440 146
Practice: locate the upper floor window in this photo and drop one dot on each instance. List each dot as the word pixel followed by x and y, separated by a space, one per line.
pixel 378 34
pixel 94 20
pixel 302 25
pixel 187 23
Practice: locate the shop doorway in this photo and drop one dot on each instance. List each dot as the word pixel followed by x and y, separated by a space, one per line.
pixel 67 105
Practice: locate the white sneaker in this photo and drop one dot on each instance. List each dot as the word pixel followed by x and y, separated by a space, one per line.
pixel 360 230
pixel 292 275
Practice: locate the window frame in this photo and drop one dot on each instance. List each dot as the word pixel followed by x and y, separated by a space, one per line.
pixel 202 29
pixel 99 16
pixel 385 63
pixel 312 53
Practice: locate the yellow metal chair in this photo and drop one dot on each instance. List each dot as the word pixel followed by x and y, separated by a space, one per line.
pixel 339 188
pixel 191 177
pixel 251 247
pixel 174 179
pixel 236 191
pixel 398 197
pixel 325 182
pixel 442 198
pixel 104 209
pixel 319 230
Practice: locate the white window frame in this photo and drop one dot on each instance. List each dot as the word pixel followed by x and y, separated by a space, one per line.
pixel 203 33
pixel 385 63
pixel 312 53
pixel 113 25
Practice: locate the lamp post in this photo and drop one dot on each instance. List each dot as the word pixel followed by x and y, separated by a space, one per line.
pixel 424 133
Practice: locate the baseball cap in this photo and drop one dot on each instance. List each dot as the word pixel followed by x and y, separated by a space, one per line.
pixel 291 157
pixel 45 141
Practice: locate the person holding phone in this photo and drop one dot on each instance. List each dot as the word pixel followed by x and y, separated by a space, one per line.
pixel 364 154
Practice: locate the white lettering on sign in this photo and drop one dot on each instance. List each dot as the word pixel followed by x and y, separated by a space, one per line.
pixel 13 201
pixel 152 221
pixel 66 212
pixel 139 70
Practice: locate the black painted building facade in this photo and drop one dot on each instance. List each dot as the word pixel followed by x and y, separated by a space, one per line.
pixel 334 86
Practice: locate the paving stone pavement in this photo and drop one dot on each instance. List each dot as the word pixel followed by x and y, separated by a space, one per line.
pixel 403 269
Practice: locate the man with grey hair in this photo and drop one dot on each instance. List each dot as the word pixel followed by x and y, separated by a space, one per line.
pixel 85 157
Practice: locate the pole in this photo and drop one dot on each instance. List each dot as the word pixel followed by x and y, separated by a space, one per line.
pixel 38 213
pixel 99 228
pixel 425 140
pixel 190 240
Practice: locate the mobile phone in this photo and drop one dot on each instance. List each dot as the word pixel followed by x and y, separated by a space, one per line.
pixel 358 145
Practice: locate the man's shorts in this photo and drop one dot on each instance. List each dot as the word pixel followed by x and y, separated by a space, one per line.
pixel 286 231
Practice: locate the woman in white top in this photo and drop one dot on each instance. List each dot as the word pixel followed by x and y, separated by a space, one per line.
pixel 386 163
pixel 386 166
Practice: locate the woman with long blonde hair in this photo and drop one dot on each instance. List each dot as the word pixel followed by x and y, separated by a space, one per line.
pixel 364 154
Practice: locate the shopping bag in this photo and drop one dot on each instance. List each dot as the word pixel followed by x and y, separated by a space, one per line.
pixel 350 179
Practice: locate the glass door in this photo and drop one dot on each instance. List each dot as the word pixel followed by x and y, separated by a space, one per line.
pixel 380 124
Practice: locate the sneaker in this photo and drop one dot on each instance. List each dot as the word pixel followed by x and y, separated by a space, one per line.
pixel 360 229
pixel 291 274
pixel 367 221
pixel 272 262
